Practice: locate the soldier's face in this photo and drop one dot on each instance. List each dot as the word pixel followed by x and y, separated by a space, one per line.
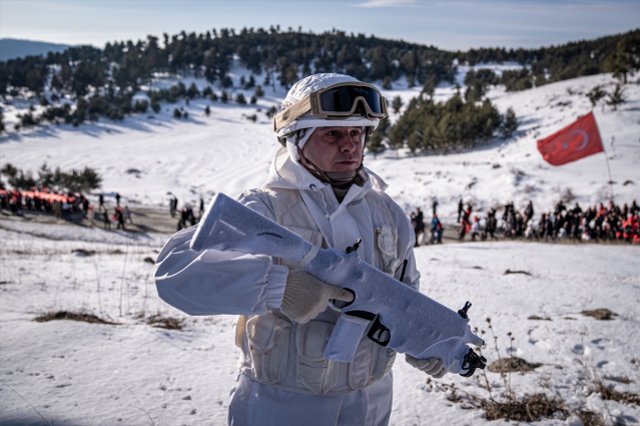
pixel 334 149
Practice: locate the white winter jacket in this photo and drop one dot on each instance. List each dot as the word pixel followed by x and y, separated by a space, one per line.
pixel 276 351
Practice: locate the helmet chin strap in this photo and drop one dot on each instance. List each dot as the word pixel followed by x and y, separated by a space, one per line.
pixel 342 179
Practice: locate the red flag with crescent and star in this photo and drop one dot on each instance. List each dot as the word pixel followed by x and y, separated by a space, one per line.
pixel 578 140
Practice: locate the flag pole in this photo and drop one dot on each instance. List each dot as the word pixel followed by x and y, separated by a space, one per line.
pixel 609 170
pixel 606 157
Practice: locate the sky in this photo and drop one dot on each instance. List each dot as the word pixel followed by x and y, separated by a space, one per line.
pixel 450 25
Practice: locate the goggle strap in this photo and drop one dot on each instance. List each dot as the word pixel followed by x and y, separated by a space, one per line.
pixel 292 113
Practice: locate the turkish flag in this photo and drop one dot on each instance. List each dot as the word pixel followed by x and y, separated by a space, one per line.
pixel 578 140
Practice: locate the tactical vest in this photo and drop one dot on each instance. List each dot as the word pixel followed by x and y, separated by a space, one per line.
pixel 288 355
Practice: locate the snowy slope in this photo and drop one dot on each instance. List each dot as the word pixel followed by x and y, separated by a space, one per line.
pixel 225 152
pixel 75 373
pixel 514 170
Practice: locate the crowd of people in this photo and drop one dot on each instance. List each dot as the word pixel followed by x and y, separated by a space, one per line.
pixel 596 223
pixel 44 201
pixel 67 206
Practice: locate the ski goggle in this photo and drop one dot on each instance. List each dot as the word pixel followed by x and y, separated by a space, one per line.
pixel 336 102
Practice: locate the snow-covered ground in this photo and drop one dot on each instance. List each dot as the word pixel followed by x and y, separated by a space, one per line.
pixel 146 156
pixel 78 373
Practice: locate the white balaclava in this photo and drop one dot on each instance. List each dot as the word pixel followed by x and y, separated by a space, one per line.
pixel 304 126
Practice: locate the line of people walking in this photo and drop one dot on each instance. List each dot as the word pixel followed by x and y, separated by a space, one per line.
pixel 596 223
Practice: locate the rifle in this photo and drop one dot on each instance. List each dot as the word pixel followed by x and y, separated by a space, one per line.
pixel 390 312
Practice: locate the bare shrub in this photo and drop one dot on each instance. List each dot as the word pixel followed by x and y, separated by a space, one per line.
pixel 83 252
pixel 509 272
pixel 512 364
pixel 600 314
pixel 538 318
pixel 72 316
pixel 518 176
pixel 509 406
pixel 590 418
pixel 529 408
pixel 620 379
pixel 168 323
pixel 567 195
pixel 610 394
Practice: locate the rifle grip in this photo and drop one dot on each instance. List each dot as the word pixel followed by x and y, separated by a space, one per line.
pixel 345 338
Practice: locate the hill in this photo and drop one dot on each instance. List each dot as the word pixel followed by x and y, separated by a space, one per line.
pixel 149 155
pixel 11 48
pixel 147 362
pixel 285 56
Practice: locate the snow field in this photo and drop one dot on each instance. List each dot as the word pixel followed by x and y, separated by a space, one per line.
pixel 149 157
pixel 80 373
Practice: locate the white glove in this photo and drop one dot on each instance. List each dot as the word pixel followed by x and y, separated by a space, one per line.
pixel 432 366
pixel 305 297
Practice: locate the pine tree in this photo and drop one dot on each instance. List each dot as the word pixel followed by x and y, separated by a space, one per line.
pixel 415 141
pixel 386 84
pixel 253 100
pixel 210 63
pixel 207 110
pixel 259 92
pixel 383 127
pixel 617 97
pixel 397 104
pixel 510 123
pixel 271 111
pixel 224 97
pixel 595 95
pixel 395 138
pixel 626 60
pixel 56 84
pixel 541 80
pixel 375 145
pixel 429 87
pixel 193 91
pixel 411 80
pixel 457 86
pixel 207 91
pixel 177 113
pixel 240 99
pixel 475 92
pixel 226 82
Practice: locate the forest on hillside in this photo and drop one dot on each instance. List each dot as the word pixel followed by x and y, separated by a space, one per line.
pixel 103 82
pixel 289 55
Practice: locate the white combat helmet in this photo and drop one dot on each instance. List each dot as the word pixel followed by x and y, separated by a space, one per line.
pixel 327 100
pixel 313 84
